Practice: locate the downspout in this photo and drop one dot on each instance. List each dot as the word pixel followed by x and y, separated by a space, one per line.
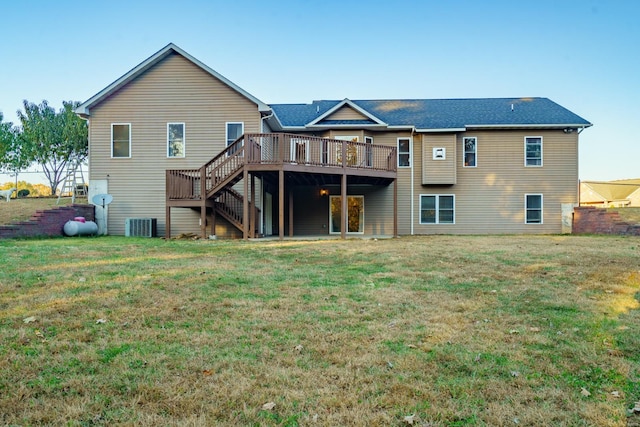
pixel 262 192
pixel 412 162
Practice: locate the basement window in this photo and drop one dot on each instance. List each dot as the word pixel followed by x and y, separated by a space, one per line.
pixel 533 208
pixel 437 209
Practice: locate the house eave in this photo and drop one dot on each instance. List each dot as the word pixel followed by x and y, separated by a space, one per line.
pixel 531 126
pixel 442 130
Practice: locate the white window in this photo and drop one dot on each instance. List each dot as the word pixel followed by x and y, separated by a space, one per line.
pixel 121 140
pixel 234 131
pixel 469 147
pixel 175 140
pixel 533 151
pixel 404 152
pixel 533 208
pixel 437 209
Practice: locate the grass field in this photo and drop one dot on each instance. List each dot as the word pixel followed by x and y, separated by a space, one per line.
pixel 433 331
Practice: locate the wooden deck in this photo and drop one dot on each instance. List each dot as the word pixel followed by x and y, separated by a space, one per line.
pixel 310 159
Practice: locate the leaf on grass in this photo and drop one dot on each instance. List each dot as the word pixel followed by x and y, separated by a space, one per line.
pixel 409 419
pixel 412 346
pixel 29 319
pixel 534 329
pixel 207 372
pixel 585 392
pixel 615 393
pixel 515 373
pixel 298 348
pixel 100 321
pixel 40 335
pixel 268 406
pixel 636 408
pixel 513 331
pixel 314 418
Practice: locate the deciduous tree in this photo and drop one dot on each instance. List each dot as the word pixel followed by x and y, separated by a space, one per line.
pixel 13 157
pixel 53 139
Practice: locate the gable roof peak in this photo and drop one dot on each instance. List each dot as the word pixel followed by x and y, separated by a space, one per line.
pixel 84 108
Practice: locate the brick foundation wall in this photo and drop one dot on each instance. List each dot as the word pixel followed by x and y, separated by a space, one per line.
pixel 590 220
pixel 47 223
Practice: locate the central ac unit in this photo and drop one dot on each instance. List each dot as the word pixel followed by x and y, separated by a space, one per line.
pixel 140 227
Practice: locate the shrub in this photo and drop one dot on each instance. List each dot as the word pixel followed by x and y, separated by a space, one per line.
pixel 23 193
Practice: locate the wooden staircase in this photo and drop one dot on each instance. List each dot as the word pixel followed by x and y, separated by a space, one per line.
pixel 214 180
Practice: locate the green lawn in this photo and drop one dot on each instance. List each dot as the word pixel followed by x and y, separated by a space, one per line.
pixel 448 331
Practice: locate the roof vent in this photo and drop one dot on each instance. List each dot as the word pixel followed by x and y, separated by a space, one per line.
pixel 511 107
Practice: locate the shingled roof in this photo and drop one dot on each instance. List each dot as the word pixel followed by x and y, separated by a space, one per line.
pixel 436 114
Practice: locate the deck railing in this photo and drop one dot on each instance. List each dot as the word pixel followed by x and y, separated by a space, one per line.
pixel 279 148
pixel 276 149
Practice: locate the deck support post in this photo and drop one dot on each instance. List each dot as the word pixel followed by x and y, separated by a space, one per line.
pixel 395 207
pixel 343 207
pixel 281 204
pixel 245 205
pixel 252 206
pixel 203 219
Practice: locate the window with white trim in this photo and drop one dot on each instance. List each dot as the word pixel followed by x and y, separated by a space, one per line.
pixel 234 131
pixel 120 140
pixel 404 152
pixel 533 151
pixel 533 208
pixel 175 140
pixel 437 209
pixel 470 150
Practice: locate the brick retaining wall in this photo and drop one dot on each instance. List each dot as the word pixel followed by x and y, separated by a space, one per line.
pixel 590 220
pixel 47 223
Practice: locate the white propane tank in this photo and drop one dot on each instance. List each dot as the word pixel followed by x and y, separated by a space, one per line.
pixel 78 228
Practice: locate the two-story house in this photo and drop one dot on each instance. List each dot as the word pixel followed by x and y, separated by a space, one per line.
pixel 174 140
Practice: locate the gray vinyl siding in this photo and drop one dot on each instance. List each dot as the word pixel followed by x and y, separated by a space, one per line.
pixel 174 90
pixel 490 197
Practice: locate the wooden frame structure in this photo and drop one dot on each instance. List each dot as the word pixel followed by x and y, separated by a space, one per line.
pixel 275 157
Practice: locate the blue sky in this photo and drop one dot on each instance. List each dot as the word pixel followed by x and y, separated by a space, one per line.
pixel 582 54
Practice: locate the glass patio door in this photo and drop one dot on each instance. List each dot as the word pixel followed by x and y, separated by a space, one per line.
pixel 355 214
